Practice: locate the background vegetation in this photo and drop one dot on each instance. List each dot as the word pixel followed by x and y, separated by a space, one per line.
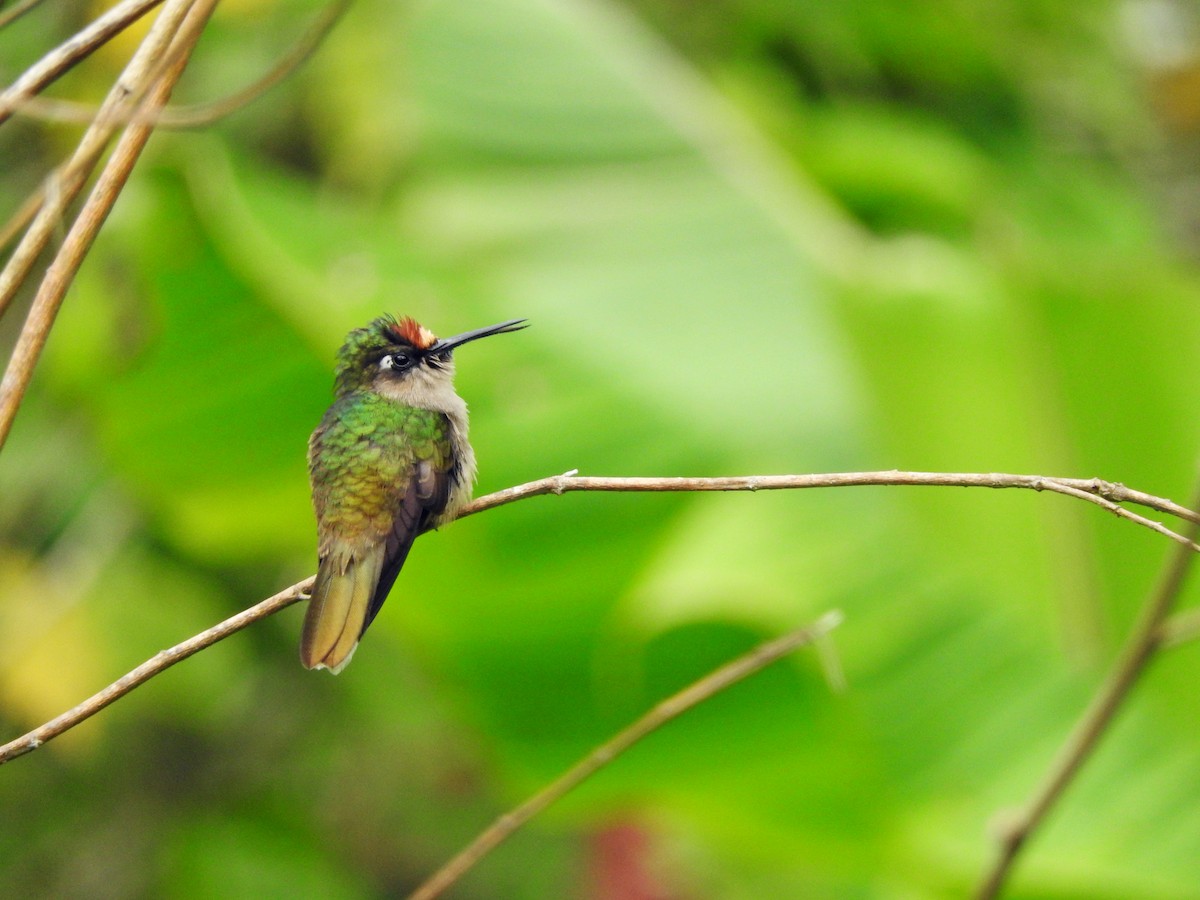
pixel 752 236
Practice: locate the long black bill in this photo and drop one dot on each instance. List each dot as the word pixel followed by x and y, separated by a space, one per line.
pixel 448 344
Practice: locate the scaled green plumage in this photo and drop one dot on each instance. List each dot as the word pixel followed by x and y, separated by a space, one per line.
pixel 380 472
pixel 360 458
pixel 389 460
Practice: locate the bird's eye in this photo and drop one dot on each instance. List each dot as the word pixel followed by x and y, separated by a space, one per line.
pixel 396 361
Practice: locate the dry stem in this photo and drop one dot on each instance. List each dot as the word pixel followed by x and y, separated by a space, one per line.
pixel 71 51
pixel 10 15
pixel 159 662
pixel 729 674
pixel 63 185
pixel 138 101
pixel 193 115
pixel 154 70
pixel 1107 492
pixel 1146 638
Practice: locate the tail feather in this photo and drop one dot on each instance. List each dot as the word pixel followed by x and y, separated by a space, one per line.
pixel 337 612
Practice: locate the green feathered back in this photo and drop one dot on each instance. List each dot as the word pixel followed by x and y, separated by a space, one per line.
pixel 361 459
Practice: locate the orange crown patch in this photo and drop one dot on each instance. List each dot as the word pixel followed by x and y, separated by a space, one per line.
pixel 414 333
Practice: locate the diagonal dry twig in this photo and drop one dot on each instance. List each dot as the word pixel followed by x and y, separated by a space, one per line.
pixel 64 185
pixel 674 706
pixel 153 72
pixel 170 117
pixel 18 222
pixel 76 48
pixel 560 484
pixel 1181 628
pixel 200 114
pixel 154 68
pixel 160 662
pixel 10 15
pixel 163 67
pixel 1143 642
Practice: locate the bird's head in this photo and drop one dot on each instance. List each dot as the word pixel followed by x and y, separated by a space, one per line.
pixel 403 357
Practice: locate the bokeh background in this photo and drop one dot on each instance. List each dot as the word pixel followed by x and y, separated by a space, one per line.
pixel 752 236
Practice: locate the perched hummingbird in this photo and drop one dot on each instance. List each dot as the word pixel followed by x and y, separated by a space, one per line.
pixel 389 460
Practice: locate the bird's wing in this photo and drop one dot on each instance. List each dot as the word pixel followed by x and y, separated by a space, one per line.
pixel 373 496
pixel 422 499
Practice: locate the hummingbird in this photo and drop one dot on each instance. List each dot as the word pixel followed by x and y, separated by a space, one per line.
pixel 389 460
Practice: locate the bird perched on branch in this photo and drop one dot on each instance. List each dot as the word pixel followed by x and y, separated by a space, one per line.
pixel 389 460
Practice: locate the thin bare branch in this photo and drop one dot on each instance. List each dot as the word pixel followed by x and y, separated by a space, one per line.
pixel 8 16
pixel 68 179
pixel 671 708
pixel 176 42
pixel 151 667
pixel 1094 490
pixel 1120 512
pixel 63 186
pixel 71 51
pixel 559 484
pixel 19 221
pixel 1118 493
pixel 1145 639
pixel 205 114
pixel 200 114
pixel 1180 629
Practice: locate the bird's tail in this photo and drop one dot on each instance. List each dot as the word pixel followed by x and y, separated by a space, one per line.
pixel 337 612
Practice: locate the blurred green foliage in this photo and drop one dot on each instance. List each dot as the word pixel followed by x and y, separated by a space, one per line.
pixel 752 236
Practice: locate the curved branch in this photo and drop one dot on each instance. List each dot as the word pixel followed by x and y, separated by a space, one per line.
pixel 1102 493
pixel 193 115
pixel 71 51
